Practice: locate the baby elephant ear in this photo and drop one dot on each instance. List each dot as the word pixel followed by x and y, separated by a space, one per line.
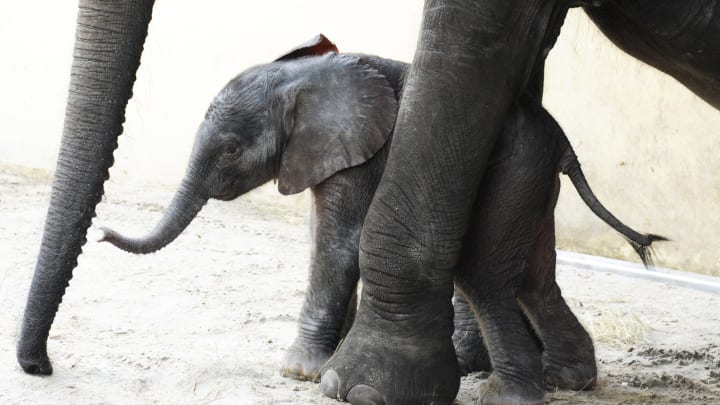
pixel 317 46
pixel 344 112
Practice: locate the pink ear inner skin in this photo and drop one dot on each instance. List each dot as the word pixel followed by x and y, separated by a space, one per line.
pixel 319 45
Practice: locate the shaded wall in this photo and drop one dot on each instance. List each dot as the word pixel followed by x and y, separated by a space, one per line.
pixel 647 145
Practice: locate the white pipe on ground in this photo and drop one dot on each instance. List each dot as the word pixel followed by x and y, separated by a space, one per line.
pixel 675 277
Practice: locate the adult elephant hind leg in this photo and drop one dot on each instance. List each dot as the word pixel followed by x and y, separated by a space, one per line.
pixel 469 345
pixel 568 351
pixel 495 257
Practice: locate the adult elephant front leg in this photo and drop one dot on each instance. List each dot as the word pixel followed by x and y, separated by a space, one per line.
pixel 473 58
pixel 109 41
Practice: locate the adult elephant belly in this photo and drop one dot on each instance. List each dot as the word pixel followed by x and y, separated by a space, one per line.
pixel 680 38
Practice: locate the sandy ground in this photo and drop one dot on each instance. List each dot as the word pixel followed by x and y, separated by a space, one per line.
pixel 207 319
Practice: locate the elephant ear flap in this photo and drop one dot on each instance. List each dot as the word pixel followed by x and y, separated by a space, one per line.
pixel 317 46
pixel 343 113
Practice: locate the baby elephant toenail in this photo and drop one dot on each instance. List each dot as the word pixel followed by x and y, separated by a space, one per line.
pixel 364 395
pixel 330 385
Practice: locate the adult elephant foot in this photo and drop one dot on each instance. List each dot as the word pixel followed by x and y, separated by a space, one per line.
pixel 378 365
pixel 469 345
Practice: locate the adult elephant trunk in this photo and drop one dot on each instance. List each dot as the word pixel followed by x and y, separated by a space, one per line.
pixel 188 201
pixel 108 44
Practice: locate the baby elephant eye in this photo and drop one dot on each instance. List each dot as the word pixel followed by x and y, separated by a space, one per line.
pixel 232 151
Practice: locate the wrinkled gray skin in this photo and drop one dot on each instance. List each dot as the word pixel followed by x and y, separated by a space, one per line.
pixel 521 186
pixel 473 60
pixel 257 130
pixel 307 122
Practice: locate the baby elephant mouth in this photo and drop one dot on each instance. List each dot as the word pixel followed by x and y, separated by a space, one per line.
pixel 227 196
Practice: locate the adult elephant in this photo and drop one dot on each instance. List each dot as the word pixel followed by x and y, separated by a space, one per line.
pixel 680 38
pixel 473 60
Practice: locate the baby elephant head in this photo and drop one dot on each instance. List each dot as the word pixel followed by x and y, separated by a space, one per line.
pixel 299 120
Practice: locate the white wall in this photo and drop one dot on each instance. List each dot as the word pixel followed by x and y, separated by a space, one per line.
pixel 190 53
pixel 645 142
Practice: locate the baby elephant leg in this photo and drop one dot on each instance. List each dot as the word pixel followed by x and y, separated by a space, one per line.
pixel 331 298
pixel 496 252
pixel 469 345
pixel 568 351
pixel 510 218
pixel 491 290
pixel 340 204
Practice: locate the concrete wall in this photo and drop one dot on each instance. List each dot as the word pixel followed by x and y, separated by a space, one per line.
pixel 645 142
pixel 190 53
pixel 648 147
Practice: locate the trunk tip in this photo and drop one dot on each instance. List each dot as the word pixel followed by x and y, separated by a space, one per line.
pixel 32 355
pixel 106 234
pixel 129 245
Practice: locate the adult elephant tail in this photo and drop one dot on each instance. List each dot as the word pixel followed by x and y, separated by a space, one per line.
pixel 641 242
pixel 188 201
pixel 108 44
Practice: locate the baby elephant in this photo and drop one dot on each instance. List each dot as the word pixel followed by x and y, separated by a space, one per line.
pixel 322 120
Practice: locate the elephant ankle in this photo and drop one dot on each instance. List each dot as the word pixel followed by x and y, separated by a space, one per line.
pixel 319 333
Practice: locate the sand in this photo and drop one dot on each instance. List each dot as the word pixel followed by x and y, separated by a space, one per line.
pixel 207 319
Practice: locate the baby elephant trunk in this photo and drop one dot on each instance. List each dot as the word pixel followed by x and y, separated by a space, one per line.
pixel 188 201
pixel 641 242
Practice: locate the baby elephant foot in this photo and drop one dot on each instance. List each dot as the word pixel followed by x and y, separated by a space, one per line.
pixel 303 361
pixel 376 367
pixel 498 389
pixel 577 374
pixel 472 355
pixel 467 339
pixel 569 360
